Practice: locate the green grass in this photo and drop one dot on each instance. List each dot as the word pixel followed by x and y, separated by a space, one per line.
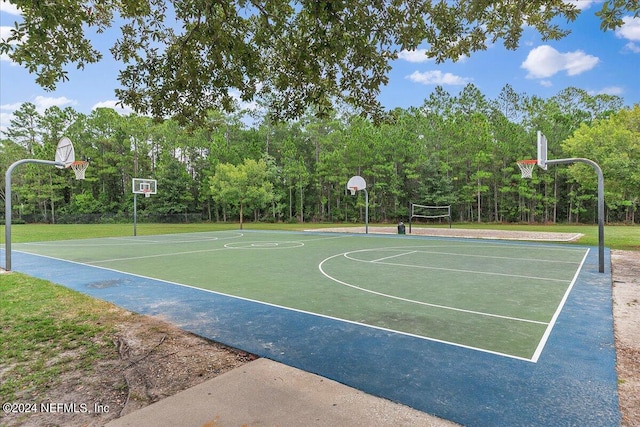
pixel 47 330
pixel 623 237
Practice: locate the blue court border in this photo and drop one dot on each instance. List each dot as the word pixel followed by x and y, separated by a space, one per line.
pixel 573 384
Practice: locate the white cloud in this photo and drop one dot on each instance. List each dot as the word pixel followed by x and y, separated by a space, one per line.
pixel 611 90
pixel 5 33
pixel 630 29
pixel 6 115
pixel 632 47
pixel 243 105
pixel 41 103
pixel 44 102
pixel 581 4
pixel 546 83
pixel 544 61
pixel 124 110
pixel 10 107
pixel 437 77
pixel 5 118
pixel 419 55
pixel 578 62
pixel 9 8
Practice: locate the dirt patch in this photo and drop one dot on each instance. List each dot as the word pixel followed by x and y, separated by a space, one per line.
pixel 155 360
pixel 626 315
pixel 540 236
pixel 152 360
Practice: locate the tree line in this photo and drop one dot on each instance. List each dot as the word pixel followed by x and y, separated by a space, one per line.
pixel 459 150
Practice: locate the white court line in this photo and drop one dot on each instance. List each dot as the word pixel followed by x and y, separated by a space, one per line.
pixel 496 257
pixel 326 238
pixel 81 243
pixel 547 332
pixel 346 255
pixel 487 273
pixel 393 256
pixel 325 316
pixel 444 307
pixel 253 245
pixel 153 256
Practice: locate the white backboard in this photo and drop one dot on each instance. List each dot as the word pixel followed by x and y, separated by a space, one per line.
pixel 542 151
pixel 144 186
pixel 356 182
pixel 65 152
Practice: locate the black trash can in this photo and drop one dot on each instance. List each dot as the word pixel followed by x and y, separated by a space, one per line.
pixel 401 228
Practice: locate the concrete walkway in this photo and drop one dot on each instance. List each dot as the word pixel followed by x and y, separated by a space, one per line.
pixel 266 393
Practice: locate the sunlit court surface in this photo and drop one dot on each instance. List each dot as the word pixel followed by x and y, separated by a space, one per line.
pixel 480 332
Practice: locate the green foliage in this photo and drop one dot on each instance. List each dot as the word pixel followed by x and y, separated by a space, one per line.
pixel 84 203
pixel 176 196
pixel 453 150
pixel 186 58
pixel 613 143
pixel 244 186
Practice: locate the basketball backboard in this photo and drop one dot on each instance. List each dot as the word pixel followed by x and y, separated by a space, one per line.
pixel 542 150
pixel 65 153
pixel 144 186
pixel 356 183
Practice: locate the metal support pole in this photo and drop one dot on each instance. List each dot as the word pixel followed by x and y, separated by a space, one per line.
pixel 7 204
pixel 366 211
pixel 135 213
pixel 600 203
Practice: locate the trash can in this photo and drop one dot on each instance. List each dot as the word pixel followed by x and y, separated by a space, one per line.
pixel 401 228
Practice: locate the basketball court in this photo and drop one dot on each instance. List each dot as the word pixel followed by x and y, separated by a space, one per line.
pixel 479 332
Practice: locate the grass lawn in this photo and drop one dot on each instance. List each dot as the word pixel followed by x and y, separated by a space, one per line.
pixel 47 330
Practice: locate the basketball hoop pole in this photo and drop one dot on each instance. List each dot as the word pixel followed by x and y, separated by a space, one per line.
pixel 366 211
pixel 543 162
pixel 141 186
pixel 135 214
pixel 7 204
pixel 357 183
pixel 600 202
pixel 354 191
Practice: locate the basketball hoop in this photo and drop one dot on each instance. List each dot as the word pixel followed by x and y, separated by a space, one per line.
pixel 353 190
pixel 526 167
pixel 79 168
pixel 146 192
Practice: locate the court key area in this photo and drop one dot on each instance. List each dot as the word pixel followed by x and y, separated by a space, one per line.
pixel 475 331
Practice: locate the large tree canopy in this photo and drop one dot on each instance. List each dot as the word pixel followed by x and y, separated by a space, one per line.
pixel 185 57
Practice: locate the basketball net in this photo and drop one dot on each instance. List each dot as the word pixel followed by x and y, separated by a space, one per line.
pixel 353 190
pixel 79 168
pixel 526 167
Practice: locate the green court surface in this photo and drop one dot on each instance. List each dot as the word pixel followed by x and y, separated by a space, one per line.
pixel 495 297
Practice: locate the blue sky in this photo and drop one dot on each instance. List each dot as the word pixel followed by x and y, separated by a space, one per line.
pixel 589 59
